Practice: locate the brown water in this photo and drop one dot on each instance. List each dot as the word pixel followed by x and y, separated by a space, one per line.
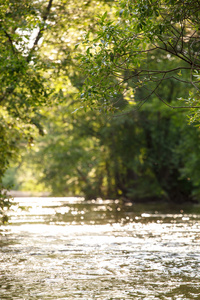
pixel 65 248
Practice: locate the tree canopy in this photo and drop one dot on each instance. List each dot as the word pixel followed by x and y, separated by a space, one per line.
pixel 37 41
pixel 59 58
pixel 118 59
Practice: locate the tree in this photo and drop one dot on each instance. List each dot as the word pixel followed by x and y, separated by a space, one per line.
pixel 148 154
pixel 117 58
pixel 22 88
pixel 36 50
pixel 138 155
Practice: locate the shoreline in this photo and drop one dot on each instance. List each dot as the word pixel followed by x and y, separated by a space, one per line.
pixel 20 194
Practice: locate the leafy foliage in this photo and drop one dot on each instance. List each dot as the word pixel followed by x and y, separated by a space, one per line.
pixel 61 57
pixel 22 88
pixel 117 59
pixel 35 51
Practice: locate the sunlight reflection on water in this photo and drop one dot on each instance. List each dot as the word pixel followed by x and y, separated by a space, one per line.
pixel 66 248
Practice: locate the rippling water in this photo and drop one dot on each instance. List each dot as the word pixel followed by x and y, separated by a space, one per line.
pixel 66 248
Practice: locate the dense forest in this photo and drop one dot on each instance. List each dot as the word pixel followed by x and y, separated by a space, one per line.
pixel 100 99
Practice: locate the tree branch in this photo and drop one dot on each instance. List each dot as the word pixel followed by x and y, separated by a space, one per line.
pixel 174 107
pixel 10 41
pixel 39 35
pixel 10 90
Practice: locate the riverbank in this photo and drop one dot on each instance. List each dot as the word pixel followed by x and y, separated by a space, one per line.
pixel 15 194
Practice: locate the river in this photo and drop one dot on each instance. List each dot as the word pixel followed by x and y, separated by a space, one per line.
pixel 67 248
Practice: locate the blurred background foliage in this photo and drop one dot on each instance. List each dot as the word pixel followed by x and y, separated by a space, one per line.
pixel 50 143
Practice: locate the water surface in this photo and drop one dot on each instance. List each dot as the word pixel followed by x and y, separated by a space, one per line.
pixel 66 248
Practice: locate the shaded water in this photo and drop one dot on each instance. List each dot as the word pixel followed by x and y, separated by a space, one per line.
pixel 65 248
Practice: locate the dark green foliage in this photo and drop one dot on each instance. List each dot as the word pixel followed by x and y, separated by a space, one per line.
pixel 143 155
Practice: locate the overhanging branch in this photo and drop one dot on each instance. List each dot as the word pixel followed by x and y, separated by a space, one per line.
pixel 41 30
